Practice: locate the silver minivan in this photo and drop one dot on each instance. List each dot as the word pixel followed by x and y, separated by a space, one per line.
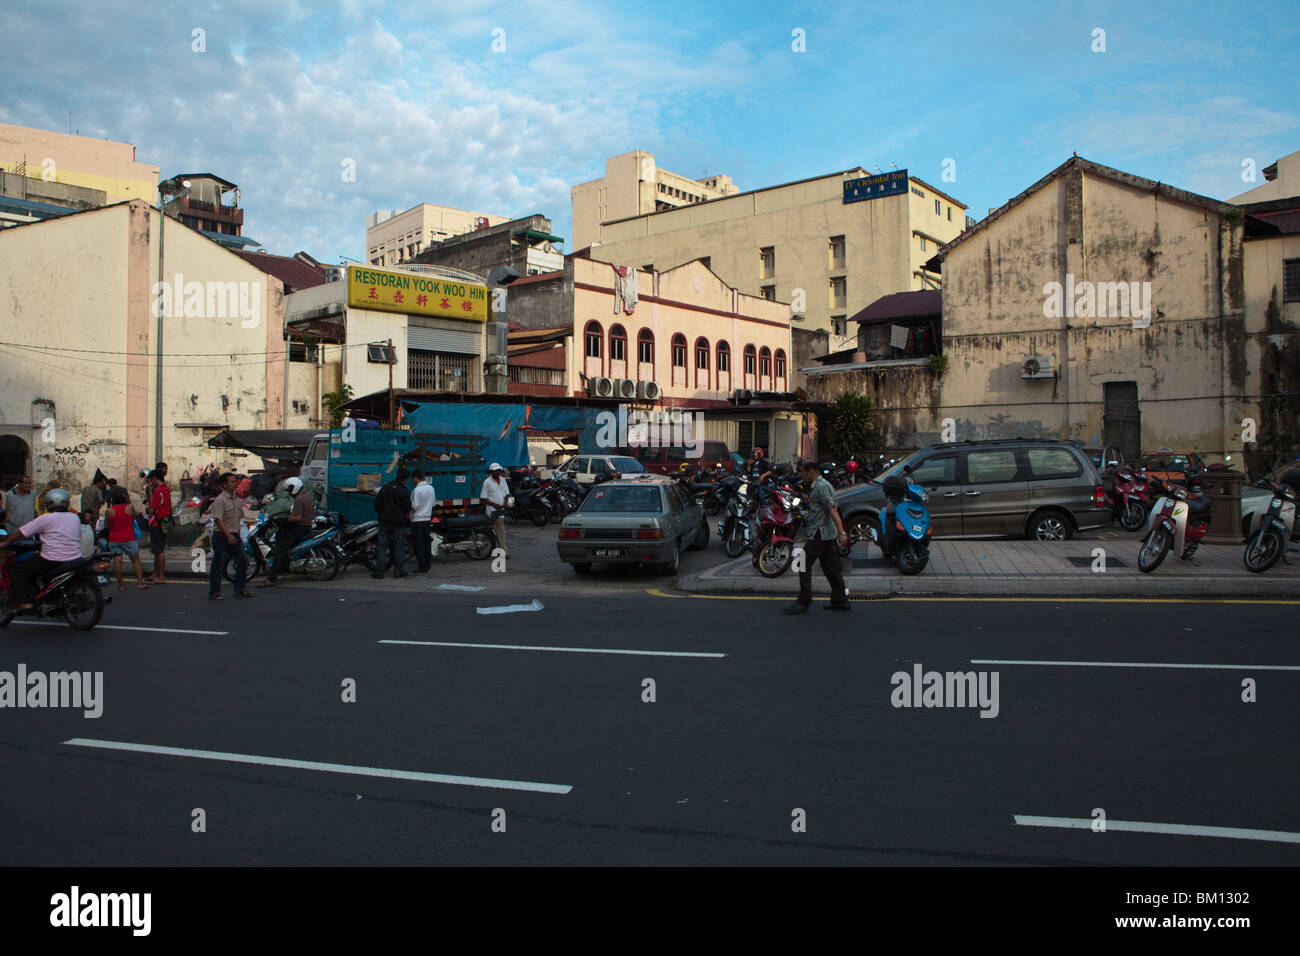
pixel 1041 489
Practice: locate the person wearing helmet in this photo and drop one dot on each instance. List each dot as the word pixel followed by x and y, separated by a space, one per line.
pixel 760 470
pixel 292 528
pixel 60 531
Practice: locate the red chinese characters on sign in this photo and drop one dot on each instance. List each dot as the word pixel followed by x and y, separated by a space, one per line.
pixel 467 306
pixel 373 293
pixel 421 300
pixel 444 304
pixel 397 296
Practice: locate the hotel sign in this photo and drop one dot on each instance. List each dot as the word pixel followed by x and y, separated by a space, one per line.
pixel 893 183
pixel 413 294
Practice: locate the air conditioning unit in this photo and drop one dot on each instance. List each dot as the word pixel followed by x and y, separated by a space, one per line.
pixel 600 387
pixel 1038 366
pixel 648 391
pixel 744 396
pixel 624 388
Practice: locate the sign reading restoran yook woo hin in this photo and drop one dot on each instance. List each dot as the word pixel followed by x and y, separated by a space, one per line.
pixel 415 294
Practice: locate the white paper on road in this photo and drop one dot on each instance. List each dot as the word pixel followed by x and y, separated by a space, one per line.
pixel 455 587
pixel 512 608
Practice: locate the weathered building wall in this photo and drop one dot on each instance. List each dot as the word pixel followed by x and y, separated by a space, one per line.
pixel 1273 349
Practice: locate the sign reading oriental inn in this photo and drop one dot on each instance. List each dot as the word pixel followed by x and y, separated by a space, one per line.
pixel 415 294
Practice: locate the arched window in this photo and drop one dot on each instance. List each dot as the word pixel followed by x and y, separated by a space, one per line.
pixel 679 351
pixel 645 347
pixel 593 336
pixel 724 357
pixel 749 359
pixel 765 361
pixel 617 343
pixel 780 363
pixel 701 363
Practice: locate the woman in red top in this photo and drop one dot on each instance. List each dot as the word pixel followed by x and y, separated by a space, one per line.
pixel 121 537
pixel 160 507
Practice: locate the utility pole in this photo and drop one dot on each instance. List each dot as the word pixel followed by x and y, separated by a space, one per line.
pixel 392 421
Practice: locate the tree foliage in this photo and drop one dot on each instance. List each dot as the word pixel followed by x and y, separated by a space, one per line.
pixel 852 429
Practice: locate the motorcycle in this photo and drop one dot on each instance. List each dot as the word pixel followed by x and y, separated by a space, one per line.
pixel 1179 521
pixel 902 529
pixel 1268 532
pixel 72 594
pixel 777 523
pixel 703 486
pixel 737 529
pixel 355 542
pixel 1129 499
pixel 470 535
pixel 316 556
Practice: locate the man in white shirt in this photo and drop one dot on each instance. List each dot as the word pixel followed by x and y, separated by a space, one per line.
pixel 494 494
pixel 423 500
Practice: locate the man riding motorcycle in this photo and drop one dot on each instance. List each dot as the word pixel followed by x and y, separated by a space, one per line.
pixel 60 532
pixel 760 470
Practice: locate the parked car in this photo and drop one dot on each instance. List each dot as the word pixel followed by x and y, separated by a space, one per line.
pixel 1037 488
pixel 714 456
pixel 584 469
pixel 645 520
pixel 1169 465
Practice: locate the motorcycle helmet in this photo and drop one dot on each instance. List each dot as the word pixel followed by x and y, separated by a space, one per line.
pixel 56 499
pixel 851 466
pixel 758 452
pixel 293 486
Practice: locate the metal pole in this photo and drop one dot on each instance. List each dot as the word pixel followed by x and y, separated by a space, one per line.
pixel 391 420
pixel 158 377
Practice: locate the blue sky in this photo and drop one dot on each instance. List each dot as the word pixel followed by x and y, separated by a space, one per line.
pixel 287 93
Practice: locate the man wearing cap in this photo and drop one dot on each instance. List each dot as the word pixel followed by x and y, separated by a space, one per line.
pixel 494 493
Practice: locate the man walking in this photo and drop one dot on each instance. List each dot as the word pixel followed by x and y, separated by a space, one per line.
pixel 94 496
pixel 423 499
pixel 393 508
pixel 494 493
pixel 292 528
pixel 825 534
pixel 20 502
pixel 227 515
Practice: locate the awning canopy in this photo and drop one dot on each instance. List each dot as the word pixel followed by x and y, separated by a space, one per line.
pixel 287 445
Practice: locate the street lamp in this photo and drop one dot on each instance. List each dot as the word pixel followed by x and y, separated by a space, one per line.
pixel 169 187
pixel 498 331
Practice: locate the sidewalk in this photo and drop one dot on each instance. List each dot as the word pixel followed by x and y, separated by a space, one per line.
pixel 1026 568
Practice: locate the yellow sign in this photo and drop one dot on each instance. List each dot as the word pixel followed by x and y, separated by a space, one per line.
pixel 414 294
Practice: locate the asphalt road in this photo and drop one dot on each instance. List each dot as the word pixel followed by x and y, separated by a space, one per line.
pixel 794 715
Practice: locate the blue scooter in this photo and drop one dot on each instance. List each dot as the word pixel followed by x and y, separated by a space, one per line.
pixel 903 534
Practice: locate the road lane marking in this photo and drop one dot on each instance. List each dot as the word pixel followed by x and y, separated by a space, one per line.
pixel 562 650
pixel 125 627
pixel 1211 667
pixel 657 592
pixel 1174 829
pixel 415 775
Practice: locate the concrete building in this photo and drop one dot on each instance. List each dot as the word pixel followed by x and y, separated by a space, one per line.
pixel 1095 305
pixel 1281 181
pixel 688 341
pixel 632 186
pixel 525 245
pixel 210 205
pixel 435 318
pixel 830 245
pixel 83 161
pixel 395 237
pixel 81 377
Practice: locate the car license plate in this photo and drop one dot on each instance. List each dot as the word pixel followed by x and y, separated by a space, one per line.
pixel 608 552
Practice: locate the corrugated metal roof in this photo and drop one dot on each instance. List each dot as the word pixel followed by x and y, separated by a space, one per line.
pixel 921 304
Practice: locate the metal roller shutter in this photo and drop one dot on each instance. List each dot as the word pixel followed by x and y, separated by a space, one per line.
pixel 443 340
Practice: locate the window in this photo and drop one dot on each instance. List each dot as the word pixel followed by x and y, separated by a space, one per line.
pixel 840 324
pixel 302 352
pixel 767 262
pixel 780 363
pixel 1052 463
pixel 724 357
pixel 922 243
pixel 936 207
pixel 939 470
pixel 750 356
pixel 594 335
pixel 645 347
pixel 985 467
pixel 1291 280
pixel 617 498
pixel 751 433
pixel 765 361
pixel 441 371
pixel 837 252
pixel 839 288
pixel 617 344
pixel 679 351
pixel 950 213
pixel 701 363
pixel 769 292
pixel 381 354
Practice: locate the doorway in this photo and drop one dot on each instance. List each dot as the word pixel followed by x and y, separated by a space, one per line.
pixel 15 459
pixel 1121 423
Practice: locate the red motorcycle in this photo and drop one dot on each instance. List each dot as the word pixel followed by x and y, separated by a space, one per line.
pixel 777 522
pixel 1129 497
pixel 1179 522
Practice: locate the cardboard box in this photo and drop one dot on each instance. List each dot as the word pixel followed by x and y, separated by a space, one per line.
pixel 370 482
